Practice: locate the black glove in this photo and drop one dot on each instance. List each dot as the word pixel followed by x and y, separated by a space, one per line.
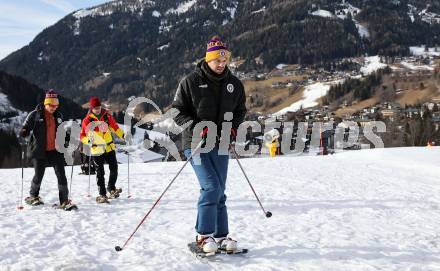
pixel 23 132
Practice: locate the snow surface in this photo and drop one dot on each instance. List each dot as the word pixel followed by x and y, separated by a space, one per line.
pixel 164 27
pixel 214 4
pixel 362 30
pixel 107 9
pixel 372 64
pixel 420 51
pixel 315 91
pixel 348 8
pixel 323 13
pixel 342 14
pixel 412 66
pixel 263 9
pixel 310 96
pixel 357 210
pixel 281 66
pixel 428 17
pixel 160 48
pixel 183 7
pixel 233 10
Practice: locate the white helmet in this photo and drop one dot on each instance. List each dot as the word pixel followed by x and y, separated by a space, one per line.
pixel 271 135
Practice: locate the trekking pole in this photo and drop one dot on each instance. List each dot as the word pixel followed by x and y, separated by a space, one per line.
pixel 90 161
pixel 118 248
pixel 267 214
pixel 128 176
pixel 71 179
pixel 91 140
pixel 20 204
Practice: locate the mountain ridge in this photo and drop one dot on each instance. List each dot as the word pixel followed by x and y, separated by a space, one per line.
pixel 142 48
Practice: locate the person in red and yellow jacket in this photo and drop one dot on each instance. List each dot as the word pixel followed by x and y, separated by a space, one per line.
pixel 97 128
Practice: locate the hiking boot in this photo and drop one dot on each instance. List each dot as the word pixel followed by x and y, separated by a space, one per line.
pixel 206 243
pixel 33 201
pixel 226 244
pixel 68 206
pixel 115 193
pixel 102 199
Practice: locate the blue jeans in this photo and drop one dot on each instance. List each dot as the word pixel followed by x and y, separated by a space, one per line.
pixel 211 170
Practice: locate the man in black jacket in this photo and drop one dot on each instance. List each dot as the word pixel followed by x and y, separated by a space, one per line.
pixel 207 94
pixel 42 124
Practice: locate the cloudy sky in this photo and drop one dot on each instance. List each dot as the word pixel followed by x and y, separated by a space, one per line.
pixel 22 20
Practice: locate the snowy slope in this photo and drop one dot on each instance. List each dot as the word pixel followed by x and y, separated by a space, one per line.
pixel 422 51
pixel 358 210
pixel 412 66
pixel 312 93
pixel 323 13
pixel 342 13
pixel 372 64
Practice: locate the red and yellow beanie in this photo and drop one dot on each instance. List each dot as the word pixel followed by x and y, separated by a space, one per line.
pixel 51 98
pixel 216 49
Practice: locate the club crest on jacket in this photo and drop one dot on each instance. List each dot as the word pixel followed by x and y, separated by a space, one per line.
pixel 230 88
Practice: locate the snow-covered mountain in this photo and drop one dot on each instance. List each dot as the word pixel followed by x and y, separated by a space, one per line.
pixel 424 14
pixel 315 91
pixel 11 117
pixel 143 47
pixel 357 210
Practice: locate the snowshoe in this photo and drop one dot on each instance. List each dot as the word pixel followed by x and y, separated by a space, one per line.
pixel 33 201
pixel 115 193
pixel 199 253
pixel 207 243
pixel 102 199
pixel 66 206
pixel 227 244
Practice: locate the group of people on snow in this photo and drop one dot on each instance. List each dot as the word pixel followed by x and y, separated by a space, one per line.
pixel 42 124
pixel 206 94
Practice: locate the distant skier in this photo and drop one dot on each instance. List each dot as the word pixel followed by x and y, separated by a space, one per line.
pixel 103 147
pixel 272 142
pixel 207 94
pixel 42 124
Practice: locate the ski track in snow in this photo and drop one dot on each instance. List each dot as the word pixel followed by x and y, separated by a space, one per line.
pixel 358 210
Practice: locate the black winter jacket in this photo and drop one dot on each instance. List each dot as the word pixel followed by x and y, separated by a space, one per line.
pixel 206 96
pixel 36 124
